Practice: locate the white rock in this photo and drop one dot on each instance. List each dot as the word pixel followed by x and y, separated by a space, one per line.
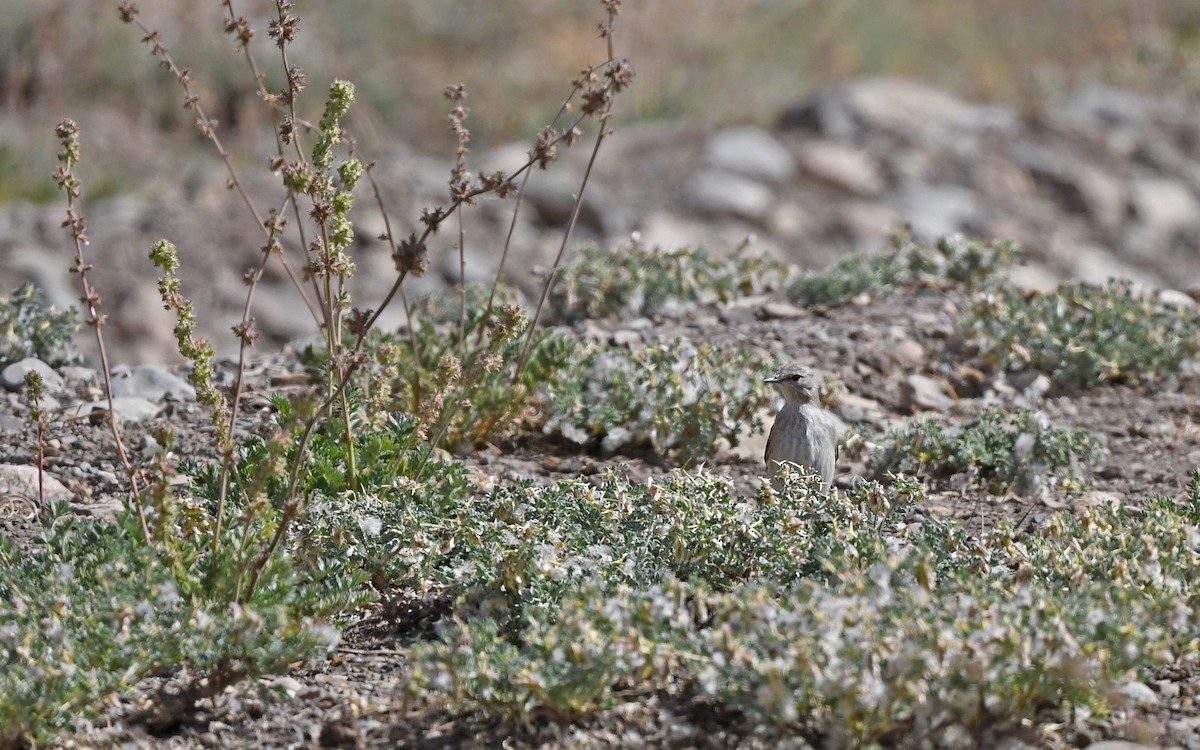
pixel 151 382
pixel 13 376
pixel 1176 298
pixel 751 152
pixel 1140 693
pixel 841 166
pixel 127 408
pixel 1165 205
pixel 921 392
pixel 714 193
pixel 22 482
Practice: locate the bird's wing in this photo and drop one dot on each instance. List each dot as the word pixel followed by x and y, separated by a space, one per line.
pixel 770 443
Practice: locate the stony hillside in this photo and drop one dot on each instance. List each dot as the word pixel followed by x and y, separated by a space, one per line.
pixel 1100 183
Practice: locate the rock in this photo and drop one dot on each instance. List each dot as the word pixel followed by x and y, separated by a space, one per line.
pixel 906 351
pixel 1166 206
pixel 1093 264
pixel 280 312
pixel 1167 688
pixel 151 382
pixel 910 109
pixel 923 393
pixel 1105 106
pixel 1079 187
pixel 859 410
pixel 1174 298
pixel 145 329
pixel 1034 277
pixel 665 230
pixel 79 376
pixel 22 482
pixel 750 152
pixel 789 221
pixel 862 224
pixel 479 265
pixel 43 266
pixel 713 194
pixel 551 194
pixel 936 210
pixel 13 376
pixel 127 408
pixel 781 311
pixel 1139 693
pixel 842 167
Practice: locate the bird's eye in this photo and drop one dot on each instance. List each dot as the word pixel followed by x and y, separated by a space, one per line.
pixel 796 377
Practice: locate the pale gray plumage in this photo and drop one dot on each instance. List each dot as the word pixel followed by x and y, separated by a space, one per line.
pixel 803 433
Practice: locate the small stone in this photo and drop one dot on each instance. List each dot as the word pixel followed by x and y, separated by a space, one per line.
pixel 1163 204
pixel 936 210
pixel 781 311
pixel 841 167
pixel 751 152
pixel 22 482
pixel 1176 298
pixel 13 376
pixel 1140 693
pixel 715 193
pixel 626 338
pixel 735 314
pixel 79 376
pixel 859 410
pixel 923 393
pixel 908 351
pixel 1167 688
pixel 150 382
pixel 127 408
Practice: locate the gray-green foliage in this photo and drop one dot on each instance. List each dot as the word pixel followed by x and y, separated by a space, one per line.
pixel 92 608
pixel 841 617
pixel 1002 450
pixel 632 280
pixel 674 398
pixel 1082 336
pixel 955 258
pixel 30 328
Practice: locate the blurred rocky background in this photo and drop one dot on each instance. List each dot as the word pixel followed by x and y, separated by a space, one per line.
pixel 814 127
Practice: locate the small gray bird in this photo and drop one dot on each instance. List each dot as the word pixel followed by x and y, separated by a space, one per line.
pixel 803 433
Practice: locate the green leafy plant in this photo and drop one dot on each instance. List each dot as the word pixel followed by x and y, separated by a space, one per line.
pixel 675 399
pixel 860 628
pixel 30 328
pixel 93 608
pixel 1000 451
pixel 632 280
pixel 1082 336
pixel 972 262
pixel 473 396
pixel 250 574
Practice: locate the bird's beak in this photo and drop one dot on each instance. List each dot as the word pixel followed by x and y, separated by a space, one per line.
pixel 771 379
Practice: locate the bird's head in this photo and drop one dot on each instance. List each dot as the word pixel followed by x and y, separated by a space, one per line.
pixel 796 383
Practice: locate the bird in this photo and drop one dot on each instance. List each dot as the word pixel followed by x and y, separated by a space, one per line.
pixel 803 433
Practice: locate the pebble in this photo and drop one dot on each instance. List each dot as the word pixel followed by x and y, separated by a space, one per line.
pixel 13 376
pixel 1140 693
pixel 22 482
pixel 151 382
pixel 923 393
pixel 127 408
pixel 781 311
pixel 751 152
